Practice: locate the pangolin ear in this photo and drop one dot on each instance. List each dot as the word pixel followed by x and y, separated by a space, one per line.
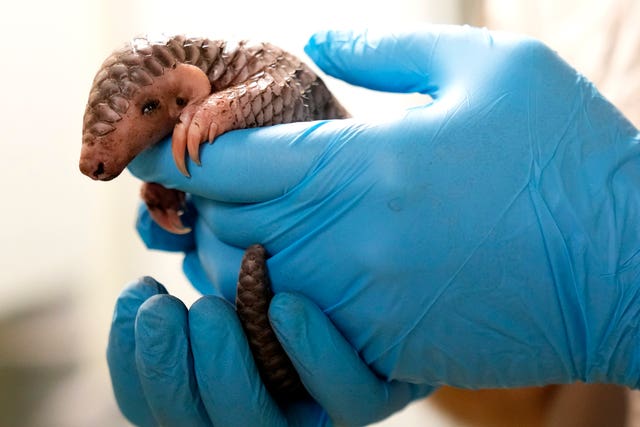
pixel 193 84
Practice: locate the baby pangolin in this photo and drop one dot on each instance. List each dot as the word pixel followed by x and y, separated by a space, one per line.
pixel 196 89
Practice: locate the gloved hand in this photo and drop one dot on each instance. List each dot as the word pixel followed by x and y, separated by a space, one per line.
pixel 174 367
pixel 487 238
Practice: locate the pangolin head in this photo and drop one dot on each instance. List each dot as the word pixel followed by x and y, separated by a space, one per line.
pixel 136 98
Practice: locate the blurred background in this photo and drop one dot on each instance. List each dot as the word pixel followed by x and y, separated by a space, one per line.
pixel 68 243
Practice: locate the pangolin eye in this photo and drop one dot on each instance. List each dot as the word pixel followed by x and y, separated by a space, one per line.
pixel 150 106
pixel 181 102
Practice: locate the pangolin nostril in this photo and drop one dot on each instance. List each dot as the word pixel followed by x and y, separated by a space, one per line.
pixel 99 171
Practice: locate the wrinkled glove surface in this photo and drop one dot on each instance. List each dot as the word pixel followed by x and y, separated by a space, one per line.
pixel 487 238
pixel 176 367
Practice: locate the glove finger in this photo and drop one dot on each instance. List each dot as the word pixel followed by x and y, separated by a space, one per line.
pixel 227 375
pixel 155 237
pixel 165 363
pixel 239 166
pixel 343 163
pixel 331 369
pixel 422 61
pixel 121 351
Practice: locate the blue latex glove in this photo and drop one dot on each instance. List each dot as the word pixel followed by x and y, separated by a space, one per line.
pixel 174 367
pixel 488 238
pixel 207 275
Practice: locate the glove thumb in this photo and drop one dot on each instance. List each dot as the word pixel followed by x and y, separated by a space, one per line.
pixel 422 61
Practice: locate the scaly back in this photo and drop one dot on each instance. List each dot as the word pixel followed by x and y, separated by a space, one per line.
pixel 135 65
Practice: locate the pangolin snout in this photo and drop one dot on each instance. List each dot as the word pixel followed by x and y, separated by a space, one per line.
pixel 99 163
pixel 97 169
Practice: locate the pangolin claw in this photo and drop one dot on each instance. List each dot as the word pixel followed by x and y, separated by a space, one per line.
pixel 193 142
pixel 169 219
pixel 213 132
pixel 178 148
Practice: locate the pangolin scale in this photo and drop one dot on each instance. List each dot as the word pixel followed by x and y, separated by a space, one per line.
pixel 197 89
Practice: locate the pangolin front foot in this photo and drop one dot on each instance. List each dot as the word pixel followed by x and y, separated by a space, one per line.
pixel 165 206
pixel 199 123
